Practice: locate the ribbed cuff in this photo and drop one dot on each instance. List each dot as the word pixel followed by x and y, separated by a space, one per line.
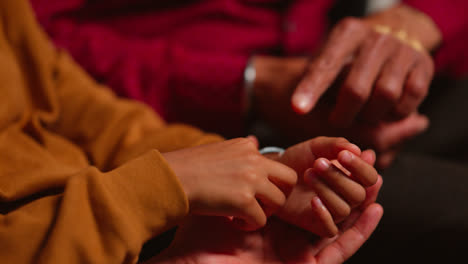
pixel 148 189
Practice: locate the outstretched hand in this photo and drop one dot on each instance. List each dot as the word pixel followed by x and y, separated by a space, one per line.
pixel 209 240
pixel 232 179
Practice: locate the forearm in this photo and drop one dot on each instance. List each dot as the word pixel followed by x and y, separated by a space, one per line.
pixel 109 129
pixel 92 217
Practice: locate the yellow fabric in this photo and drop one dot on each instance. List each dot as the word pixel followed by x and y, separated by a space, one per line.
pixel 82 179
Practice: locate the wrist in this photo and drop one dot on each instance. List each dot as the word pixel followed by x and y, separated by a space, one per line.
pixel 273 153
pixel 276 79
pixel 413 22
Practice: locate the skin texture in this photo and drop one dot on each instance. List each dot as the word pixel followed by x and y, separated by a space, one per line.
pixel 222 243
pixel 363 85
pixel 385 75
pixel 232 179
pixel 276 80
pixel 333 178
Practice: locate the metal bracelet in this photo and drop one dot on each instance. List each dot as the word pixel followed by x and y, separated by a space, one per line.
pixel 268 150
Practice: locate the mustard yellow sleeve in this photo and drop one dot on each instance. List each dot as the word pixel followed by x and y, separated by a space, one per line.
pixel 63 216
pixel 109 129
pixel 118 192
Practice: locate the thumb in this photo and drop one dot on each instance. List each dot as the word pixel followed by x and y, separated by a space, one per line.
pixel 388 135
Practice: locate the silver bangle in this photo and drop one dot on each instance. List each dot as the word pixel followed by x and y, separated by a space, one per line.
pixel 268 150
pixel 249 79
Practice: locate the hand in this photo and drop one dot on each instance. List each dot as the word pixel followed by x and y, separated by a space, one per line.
pixel 277 243
pixel 339 193
pixel 337 190
pixel 310 249
pixel 275 83
pixel 387 78
pixel 231 178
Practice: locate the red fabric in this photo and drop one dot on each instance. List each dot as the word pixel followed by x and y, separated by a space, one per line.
pixel 450 17
pixel 186 59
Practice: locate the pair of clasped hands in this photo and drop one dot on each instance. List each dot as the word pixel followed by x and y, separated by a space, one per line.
pixel 315 200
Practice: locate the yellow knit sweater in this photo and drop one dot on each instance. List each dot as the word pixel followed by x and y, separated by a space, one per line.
pixel 82 179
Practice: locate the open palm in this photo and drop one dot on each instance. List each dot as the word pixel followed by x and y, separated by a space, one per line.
pixel 209 240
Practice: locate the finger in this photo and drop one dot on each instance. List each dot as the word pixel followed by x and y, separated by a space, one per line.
pixel 302 156
pixel 329 147
pixel 416 88
pixel 385 136
pixel 386 158
pixel 369 156
pixel 323 216
pixel 372 193
pixel 253 139
pixel 352 239
pixel 348 189
pixel 389 86
pixel 358 85
pixel 250 216
pixel 270 196
pixel 337 207
pixel 281 175
pixel 343 41
pixel 360 170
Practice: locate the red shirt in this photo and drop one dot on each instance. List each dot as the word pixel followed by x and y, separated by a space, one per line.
pixel 186 59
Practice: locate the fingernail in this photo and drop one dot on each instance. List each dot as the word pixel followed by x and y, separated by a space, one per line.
pixel 345 157
pixel 318 203
pixel 301 102
pixel 323 164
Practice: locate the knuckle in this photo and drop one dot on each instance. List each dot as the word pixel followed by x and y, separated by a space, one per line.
pixel 389 91
pixel 247 143
pixel 350 23
pixel 325 62
pixel 383 39
pixel 245 200
pixel 251 177
pixel 417 89
pixel 357 93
